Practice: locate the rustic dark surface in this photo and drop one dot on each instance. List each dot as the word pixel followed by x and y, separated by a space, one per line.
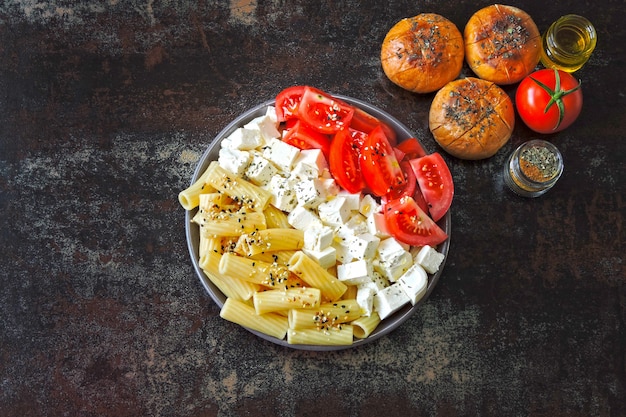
pixel 106 106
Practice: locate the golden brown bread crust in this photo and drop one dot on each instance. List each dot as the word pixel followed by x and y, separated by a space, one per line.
pixel 423 53
pixel 471 118
pixel 502 44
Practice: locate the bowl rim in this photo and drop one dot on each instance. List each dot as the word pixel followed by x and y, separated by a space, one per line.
pixel 387 325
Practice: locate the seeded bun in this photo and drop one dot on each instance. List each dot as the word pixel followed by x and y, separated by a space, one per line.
pixel 502 44
pixel 423 53
pixel 471 118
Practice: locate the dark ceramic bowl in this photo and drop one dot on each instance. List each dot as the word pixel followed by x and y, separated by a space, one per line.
pixel 192 231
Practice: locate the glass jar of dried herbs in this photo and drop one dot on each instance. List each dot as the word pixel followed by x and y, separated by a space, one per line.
pixel 533 168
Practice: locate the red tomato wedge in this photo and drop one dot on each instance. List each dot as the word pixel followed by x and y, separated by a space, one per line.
pixel 343 161
pixel 412 148
pixel 435 181
pixel 379 165
pixel 303 136
pixel 365 122
pixel 411 189
pixel 287 102
pixel 408 223
pixel 358 137
pixel 323 112
pixel 410 183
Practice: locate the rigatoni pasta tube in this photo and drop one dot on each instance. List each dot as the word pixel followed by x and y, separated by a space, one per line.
pixel 337 336
pixel 189 198
pixel 275 218
pixel 270 240
pixel 280 257
pixel 234 287
pixel 277 300
pixel 208 263
pixel 243 314
pixel 229 224
pixel 325 316
pixel 364 326
pixel 252 270
pixel 240 190
pixel 271 275
pixel 313 274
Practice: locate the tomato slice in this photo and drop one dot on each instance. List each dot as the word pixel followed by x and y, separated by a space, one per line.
pixel 358 137
pixel 411 189
pixel 410 184
pixel 287 102
pixel 343 162
pixel 379 165
pixel 303 136
pixel 365 122
pixel 412 148
pixel 408 223
pixel 323 112
pixel 435 181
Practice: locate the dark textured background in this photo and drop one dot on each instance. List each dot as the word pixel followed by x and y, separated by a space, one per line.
pixel 106 106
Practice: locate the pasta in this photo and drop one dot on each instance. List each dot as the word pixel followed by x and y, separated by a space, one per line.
pixel 325 316
pixel 241 313
pixel 270 240
pixel 316 276
pixel 280 300
pixel 271 275
pixel 334 336
pixel 242 191
pixel 189 198
pixel 365 325
pixel 275 218
pixel 234 287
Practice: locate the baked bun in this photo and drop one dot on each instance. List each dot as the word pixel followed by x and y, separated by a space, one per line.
pixel 423 53
pixel 502 44
pixel 471 118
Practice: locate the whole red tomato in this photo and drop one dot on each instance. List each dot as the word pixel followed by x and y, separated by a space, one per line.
pixel 549 100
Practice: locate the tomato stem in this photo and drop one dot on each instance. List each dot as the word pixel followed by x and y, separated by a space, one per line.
pixel 556 95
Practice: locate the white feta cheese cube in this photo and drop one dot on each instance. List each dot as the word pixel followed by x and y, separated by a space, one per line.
pixel 271 113
pixel 310 163
pixel 326 258
pixel 281 154
pixel 429 259
pixel 355 273
pixel 363 246
pixel 414 283
pixel 303 171
pixel 233 160
pixel 377 225
pixel 378 282
pixel 392 260
pixel 245 139
pixel 353 200
pixel 389 300
pixel 265 126
pixel 260 171
pixel 283 197
pixel 302 218
pixel 328 187
pixel 334 212
pixel 368 205
pixel 226 143
pixel 342 251
pixel 318 238
pixel 356 225
pixel 311 192
pixel 365 299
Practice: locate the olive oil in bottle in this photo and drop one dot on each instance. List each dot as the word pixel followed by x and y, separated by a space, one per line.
pixel 568 43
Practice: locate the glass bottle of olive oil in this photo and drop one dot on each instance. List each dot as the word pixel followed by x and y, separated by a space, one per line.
pixel 568 43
